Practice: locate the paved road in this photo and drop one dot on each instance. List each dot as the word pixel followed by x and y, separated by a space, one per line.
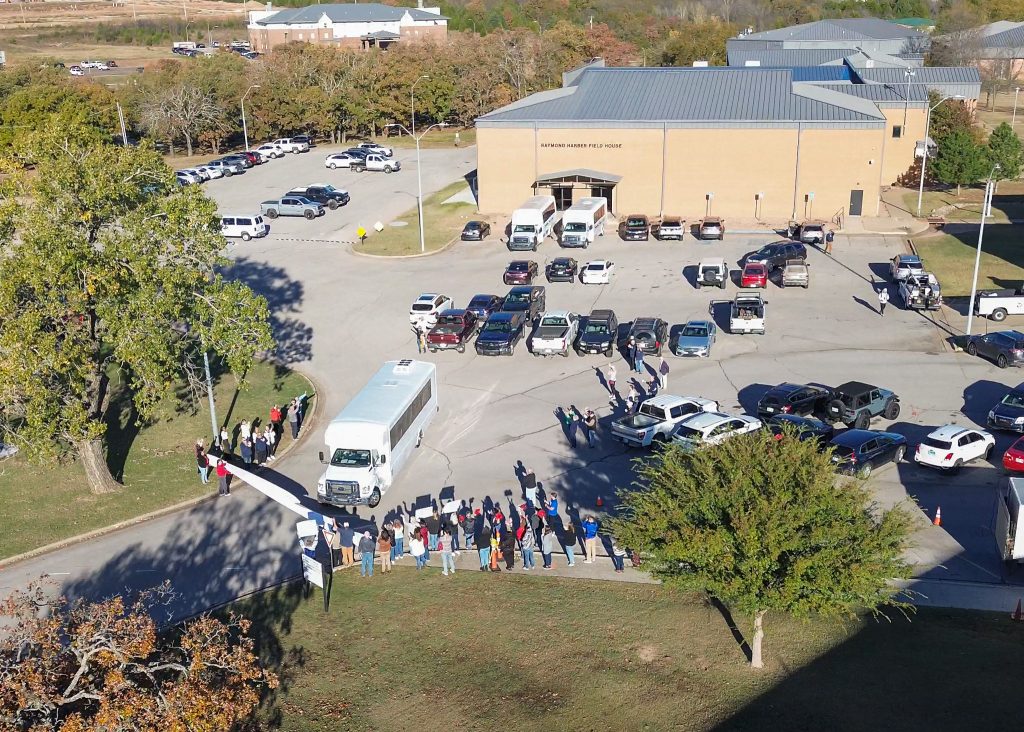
pixel 339 316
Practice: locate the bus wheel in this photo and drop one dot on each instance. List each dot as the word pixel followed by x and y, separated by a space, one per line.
pixel 419 439
pixel 374 499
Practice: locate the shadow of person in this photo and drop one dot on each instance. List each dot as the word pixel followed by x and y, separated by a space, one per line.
pixel 601 379
pixel 865 303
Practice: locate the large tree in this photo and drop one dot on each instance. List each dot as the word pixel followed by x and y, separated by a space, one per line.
pixel 82 666
pixel 763 525
pixel 960 160
pixel 1004 148
pixel 107 267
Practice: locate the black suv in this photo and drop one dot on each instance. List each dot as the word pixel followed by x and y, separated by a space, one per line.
pixel 798 399
pixel 325 195
pixel 598 335
pixel 855 403
pixel 562 269
pixel 636 227
pixel 500 334
pixel 1009 413
pixel 529 299
pixel 649 333
pixel 776 255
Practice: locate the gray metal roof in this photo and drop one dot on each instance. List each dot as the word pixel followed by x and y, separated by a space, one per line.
pixel 786 57
pixel 922 75
pixel 346 13
pixel 707 95
pixel 1011 38
pixel 839 29
pixel 882 93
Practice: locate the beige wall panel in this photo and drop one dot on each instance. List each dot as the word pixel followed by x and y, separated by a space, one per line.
pixel 504 168
pixel 834 162
pixel 899 151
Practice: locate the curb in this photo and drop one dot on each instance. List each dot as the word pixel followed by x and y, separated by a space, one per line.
pixel 8 562
pixel 446 247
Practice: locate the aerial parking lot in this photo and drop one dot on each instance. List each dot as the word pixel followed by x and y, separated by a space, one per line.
pixel 339 316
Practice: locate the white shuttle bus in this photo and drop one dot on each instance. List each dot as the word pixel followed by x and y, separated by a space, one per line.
pixel 583 221
pixel 532 223
pixel 371 439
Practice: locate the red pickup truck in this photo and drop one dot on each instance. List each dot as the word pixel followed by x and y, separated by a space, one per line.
pixel 452 330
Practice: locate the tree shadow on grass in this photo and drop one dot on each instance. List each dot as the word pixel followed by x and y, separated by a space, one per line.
pixel 284 295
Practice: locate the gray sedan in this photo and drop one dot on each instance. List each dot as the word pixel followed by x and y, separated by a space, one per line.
pixel 696 339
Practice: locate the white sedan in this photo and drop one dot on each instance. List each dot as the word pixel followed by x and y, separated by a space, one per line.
pixel 189 176
pixel 270 150
pixel 341 160
pixel 209 171
pixel 711 428
pixel 598 272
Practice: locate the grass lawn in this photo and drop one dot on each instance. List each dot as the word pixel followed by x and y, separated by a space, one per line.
pixel 951 258
pixel 437 137
pixel 1007 203
pixel 516 652
pixel 44 504
pixel 444 221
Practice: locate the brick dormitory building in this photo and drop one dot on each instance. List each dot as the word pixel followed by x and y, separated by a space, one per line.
pixel 348 25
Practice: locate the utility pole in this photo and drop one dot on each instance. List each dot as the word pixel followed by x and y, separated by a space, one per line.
pixel 986 204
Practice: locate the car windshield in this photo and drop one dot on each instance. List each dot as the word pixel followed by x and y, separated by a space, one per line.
pixel 695 331
pixel 472 226
pixel 755 268
pixel 518 267
pixel 328 188
pixel 709 270
pixel 1014 399
pixel 711 225
pixel 843 451
pixel 689 434
pixel 561 263
pixel 671 222
pixel 812 227
pixel 937 444
pixel 516 299
pixel 422 307
pixel 449 323
pixel 595 267
pixel 636 222
pixel 351 458
pixel 480 302
pixel 523 229
pixel 501 326
pixel 574 227
pixel 598 327
pixel 554 322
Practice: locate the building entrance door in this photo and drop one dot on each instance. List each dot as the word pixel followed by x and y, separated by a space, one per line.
pixel 604 192
pixel 563 197
pixel 856 202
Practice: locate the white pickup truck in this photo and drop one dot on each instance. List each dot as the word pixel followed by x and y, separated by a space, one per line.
pixel 555 334
pixel 293 146
pixel 376 163
pixel 657 417
pixel 746 312
pixel 997 304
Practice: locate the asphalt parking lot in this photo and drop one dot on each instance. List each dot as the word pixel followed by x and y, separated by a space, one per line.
pixel 499 414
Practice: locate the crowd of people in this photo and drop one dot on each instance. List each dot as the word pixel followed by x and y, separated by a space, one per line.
pixel 250 443
pixel 533 526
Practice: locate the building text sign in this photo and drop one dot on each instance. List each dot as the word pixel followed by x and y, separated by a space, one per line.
pixel 584 145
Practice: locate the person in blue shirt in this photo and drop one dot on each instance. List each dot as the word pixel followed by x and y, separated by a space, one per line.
pixel 590 527
pixel 551 509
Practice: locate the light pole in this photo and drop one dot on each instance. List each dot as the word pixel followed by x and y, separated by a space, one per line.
pixel 419 175
pixel 412 102
pixel 1016 92
pixel 924 156
pixel 209 36
pixel 986 202
pixel 190 22
pixel 245 128
pixel 906 100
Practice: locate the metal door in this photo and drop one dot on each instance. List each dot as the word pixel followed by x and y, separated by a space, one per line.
pixel 856 202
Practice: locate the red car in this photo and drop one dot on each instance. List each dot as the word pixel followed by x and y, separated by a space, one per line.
pixel 520 272
pixel 754 274
pixel 1013 458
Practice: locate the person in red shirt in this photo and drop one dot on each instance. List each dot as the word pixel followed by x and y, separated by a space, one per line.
pixel 222 479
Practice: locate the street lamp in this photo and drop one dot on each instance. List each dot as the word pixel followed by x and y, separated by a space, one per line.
pixel 1013 120
pixel 412 102
pixel 190 22
pixel 245 128
pixel 209 36
pixel 419 174
pixel 924 155
pixel 986 204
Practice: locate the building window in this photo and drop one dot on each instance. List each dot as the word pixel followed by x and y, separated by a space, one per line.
pixel 300 36
pixel 897 130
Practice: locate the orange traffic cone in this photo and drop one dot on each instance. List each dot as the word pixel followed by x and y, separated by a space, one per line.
pixel 1017 615
pixel 937 521
pixel 600 501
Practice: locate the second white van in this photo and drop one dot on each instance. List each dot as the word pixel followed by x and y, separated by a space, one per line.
pixel 532 223
pixel 244 227
pixel 583 221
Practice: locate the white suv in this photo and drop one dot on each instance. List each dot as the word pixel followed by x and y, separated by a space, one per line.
pixel 951 445
pixel 293 146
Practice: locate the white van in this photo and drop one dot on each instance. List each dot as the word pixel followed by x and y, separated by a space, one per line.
pixel 245 227
pixel 583 221
pixel 532 223
pixel 373 436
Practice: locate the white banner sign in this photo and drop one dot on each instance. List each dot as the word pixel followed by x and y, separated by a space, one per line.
pixel 312 570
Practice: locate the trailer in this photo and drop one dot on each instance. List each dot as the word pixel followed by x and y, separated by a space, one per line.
pixel 1010 522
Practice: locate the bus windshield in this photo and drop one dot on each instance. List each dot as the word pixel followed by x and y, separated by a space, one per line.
pixel 351 458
